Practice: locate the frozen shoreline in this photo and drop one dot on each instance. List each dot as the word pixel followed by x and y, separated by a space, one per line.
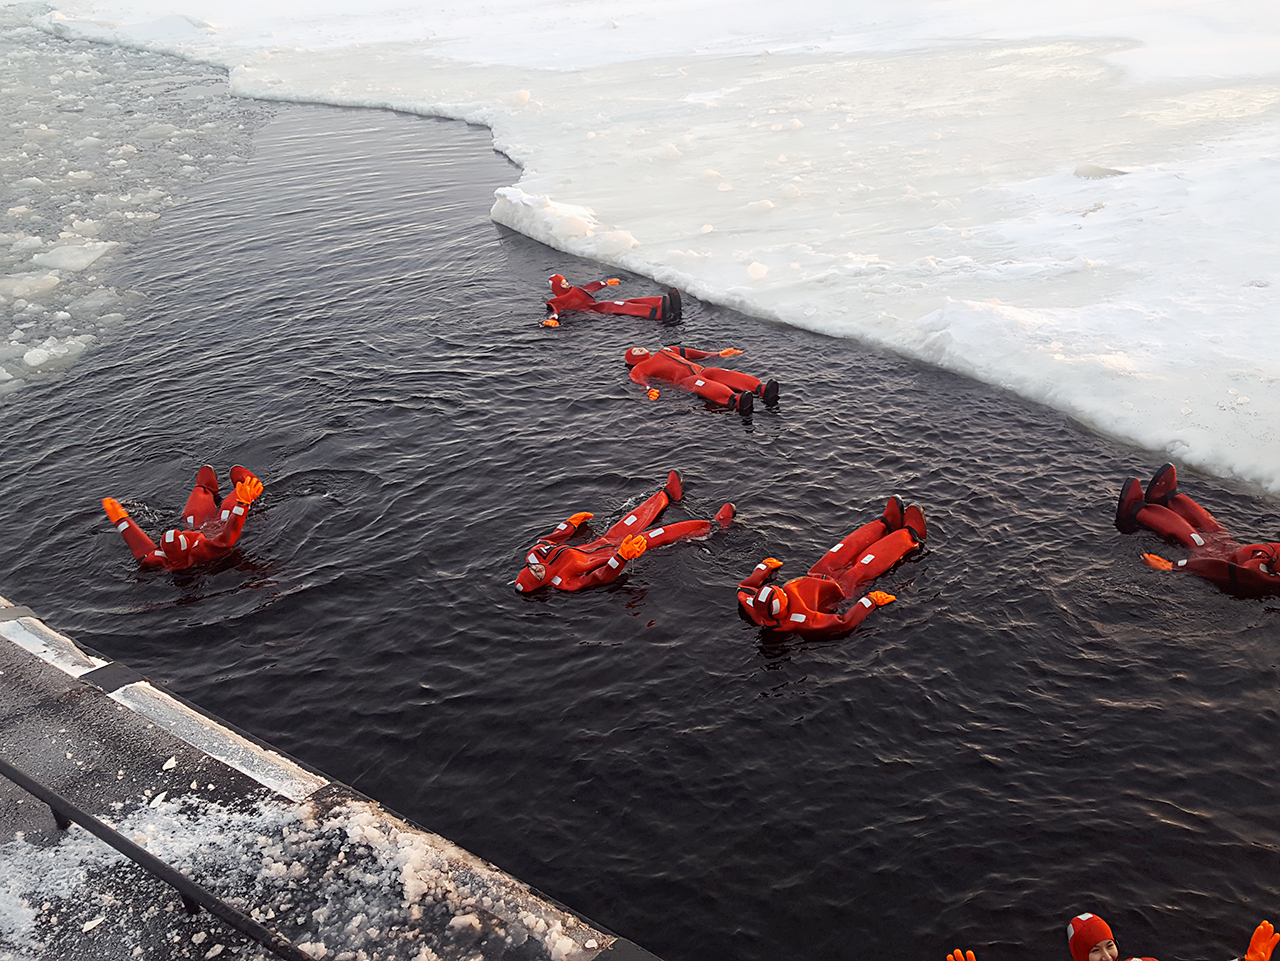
pixel 905 183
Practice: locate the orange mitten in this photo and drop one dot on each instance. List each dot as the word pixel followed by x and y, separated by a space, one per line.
pixel 247 490
pixel 1263 942
pixel 632 547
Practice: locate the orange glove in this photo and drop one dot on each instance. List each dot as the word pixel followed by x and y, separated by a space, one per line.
pixel 579 517
pixel 880 599
pixel 729 352
pixel 247 490
pixel 1158 562
pixel 115 513
pixel 772 563
pixel 551 322
pixel 632 547
pixel 653 393
pixel 612 282
pixel 957 956
pixel 1263 942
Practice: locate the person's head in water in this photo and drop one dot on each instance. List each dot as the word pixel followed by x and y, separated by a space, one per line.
pixel 635 355
pixel 1089 939
pixel 534 574
pixel 558 284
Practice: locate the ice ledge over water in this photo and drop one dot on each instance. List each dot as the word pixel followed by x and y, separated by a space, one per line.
pixel 867 172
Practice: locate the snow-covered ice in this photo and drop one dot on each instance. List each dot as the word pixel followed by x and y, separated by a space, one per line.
pixel 1076 202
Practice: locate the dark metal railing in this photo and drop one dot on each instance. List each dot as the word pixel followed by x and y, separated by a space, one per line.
pixel 194 896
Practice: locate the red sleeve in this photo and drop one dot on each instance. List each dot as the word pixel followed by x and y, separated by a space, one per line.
pixel 759 574
pixel 230 533
pixel 561 533
pixel 594 286
pixel 603 574
pixel 693 353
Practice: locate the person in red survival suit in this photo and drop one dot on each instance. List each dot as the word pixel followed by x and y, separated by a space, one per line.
pixel 1089 938
pixel 564 296
pixel 552 562
pixel 675 365
pixel 210 530
pixel 1245 570
pixel 807 605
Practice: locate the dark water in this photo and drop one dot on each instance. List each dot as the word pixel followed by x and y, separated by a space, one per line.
pixel 1039 726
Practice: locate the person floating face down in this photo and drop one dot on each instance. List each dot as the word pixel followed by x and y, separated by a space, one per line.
pixel 553 563
pixel 677 365
pixel 1246 570
pixel 209 530
pixel 565 296
pixel 809 605
pixel 1089 938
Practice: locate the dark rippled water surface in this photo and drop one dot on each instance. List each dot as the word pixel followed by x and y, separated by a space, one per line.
pixel 1040 725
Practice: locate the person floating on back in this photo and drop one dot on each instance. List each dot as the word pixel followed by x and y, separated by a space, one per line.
pixel 676 365
pixel 564 296
pixel 809 605
pixel 1089 938
pixel 551 562
pixel 209 532
pixel 1245 570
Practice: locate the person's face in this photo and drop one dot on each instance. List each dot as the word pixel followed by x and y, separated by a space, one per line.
pixel 1104 951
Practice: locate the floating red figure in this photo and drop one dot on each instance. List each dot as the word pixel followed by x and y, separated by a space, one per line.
pixel 1245 570
pixel 564 296
pixel 676 365
pixel 552 562
pixel 808 604
pixel 210 532
pixel 1089 938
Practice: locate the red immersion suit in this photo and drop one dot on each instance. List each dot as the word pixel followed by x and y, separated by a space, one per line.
pixel 676 365
pixel 564 296
pixel 1245 570
pixel 209 531
pixel 571 568
pixel 808 605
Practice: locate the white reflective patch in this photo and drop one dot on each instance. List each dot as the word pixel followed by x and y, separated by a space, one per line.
pixel 656 531
pixel 762 567
pixel 751 602
pixel 699 383
pixel 868 559
pixel 1198 539
pixel 562 527
pixel 182 541
pixel 191 520
pixel 1182 563
pixel 798 618
pixel 531 559
pixel 519 586
pixel 836 548
pixel 556 580
pixel 238 510
pixel 867 602
pixel 765 592
pixel 226 514
pixel 630 520
pixel 613 562
pixel 160 553
pixel 620 303
pixel 122 526
pixel 776 606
